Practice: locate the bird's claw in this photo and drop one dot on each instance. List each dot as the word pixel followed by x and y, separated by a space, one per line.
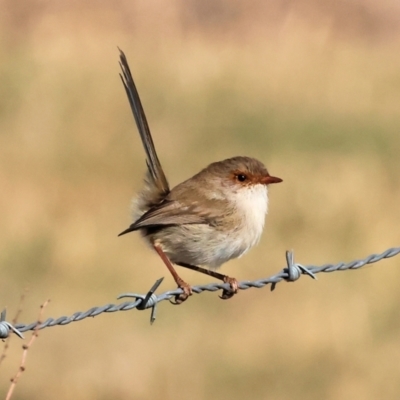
pixel 180 298
pixel 234 287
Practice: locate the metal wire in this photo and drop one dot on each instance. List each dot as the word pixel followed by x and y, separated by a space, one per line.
pixel 292 272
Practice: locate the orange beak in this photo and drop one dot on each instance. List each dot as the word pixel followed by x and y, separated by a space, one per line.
pixel 267 180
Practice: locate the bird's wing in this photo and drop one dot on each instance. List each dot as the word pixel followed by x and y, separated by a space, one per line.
pixel 173 212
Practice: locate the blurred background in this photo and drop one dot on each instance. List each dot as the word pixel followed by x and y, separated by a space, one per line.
pixel 311 88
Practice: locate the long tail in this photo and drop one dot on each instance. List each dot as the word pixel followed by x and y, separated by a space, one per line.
pixel 156 172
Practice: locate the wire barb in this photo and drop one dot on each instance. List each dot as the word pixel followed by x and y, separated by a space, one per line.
pixel 6 327
pixel 149 300
pixel 293 271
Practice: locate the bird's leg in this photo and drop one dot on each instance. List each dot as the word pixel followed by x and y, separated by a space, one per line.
pixel 187 290
pixel 233 283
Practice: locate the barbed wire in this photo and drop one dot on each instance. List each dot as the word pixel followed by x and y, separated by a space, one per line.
pixel 291 273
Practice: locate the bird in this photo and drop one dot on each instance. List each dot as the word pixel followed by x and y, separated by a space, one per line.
pixel 213 217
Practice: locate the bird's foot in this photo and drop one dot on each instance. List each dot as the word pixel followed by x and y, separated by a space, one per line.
pixel 187 291
pixel 234 284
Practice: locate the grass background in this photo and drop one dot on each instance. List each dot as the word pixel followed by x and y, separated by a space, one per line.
pixel 311 88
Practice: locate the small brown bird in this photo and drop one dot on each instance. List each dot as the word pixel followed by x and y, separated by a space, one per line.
pixel 215 216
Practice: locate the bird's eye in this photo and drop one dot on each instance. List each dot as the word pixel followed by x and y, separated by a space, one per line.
pixel 241 177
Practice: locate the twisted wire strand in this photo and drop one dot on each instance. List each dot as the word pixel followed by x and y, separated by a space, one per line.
pixel 149 300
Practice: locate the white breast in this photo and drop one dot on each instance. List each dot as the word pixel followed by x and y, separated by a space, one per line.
pixel 252 205
pixel 252 202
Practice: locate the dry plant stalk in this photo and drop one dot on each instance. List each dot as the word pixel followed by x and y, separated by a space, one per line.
pixel 14 322
pixel 25 348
